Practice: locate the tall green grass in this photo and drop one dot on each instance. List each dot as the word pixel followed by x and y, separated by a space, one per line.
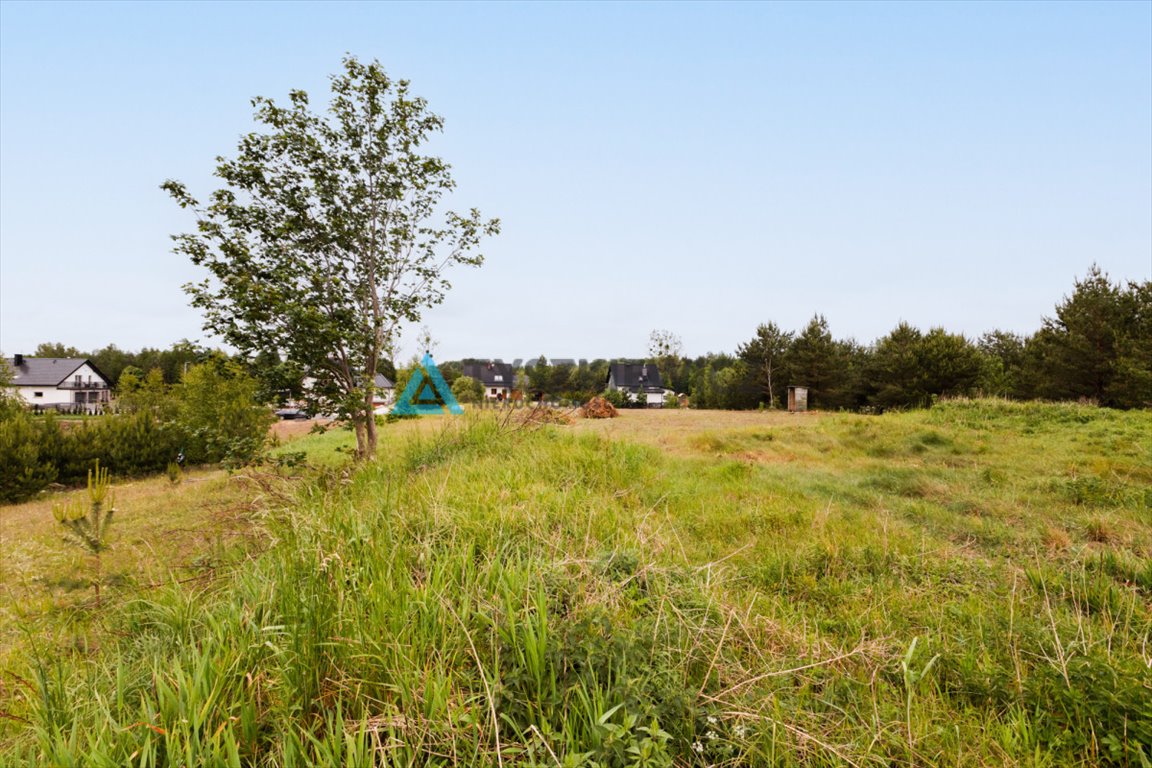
pixel 862 591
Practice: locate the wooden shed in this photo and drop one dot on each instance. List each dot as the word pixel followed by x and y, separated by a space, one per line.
pixel 797 399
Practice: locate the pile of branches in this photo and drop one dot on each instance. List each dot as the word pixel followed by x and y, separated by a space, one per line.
pixel 543 414
pixel 598 408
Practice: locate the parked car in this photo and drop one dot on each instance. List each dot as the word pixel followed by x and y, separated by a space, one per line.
pixel 287 414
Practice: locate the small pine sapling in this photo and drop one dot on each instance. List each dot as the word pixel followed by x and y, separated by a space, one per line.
pixel 175 474
pixel 88 528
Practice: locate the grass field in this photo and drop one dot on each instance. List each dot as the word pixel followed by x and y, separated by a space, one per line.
pixel 967 585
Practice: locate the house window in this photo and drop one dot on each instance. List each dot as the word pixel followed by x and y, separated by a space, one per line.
pixel 493 390
pixel 498 377
pixel 37 394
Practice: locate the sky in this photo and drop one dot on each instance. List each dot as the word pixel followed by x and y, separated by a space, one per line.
pixel 701 168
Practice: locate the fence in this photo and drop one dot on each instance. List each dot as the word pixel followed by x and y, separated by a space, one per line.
pixel 73 409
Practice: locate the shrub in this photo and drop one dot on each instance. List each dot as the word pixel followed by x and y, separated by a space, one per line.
pixel 215 418
pixel 617 398
pixel 467 389
pixel 24 468
pixel 218 415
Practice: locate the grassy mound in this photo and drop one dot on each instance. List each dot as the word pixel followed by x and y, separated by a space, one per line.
pixel 967 585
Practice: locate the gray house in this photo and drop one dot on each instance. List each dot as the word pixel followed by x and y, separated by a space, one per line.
pixel 638 381
pixel 497 379
pixel 60 383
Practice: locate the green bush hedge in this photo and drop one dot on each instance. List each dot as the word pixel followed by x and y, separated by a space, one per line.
pixel 37 452
pixel 212 416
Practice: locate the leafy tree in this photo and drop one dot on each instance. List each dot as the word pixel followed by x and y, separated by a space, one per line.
pixel 131 379
pixel 764 355
pixel 112 361
pixel 148 393
pixel 450 371
pixel 665 348
pixel 11 404
pixel 575 377
pixel 388 368
pixel 218 413
pixel 539 378
pixel 280 381
pixel 403 376
pixel 616 398
pixel 173 361
pixel 467 390
pixel 323 240
pixel 56 349
pixel 736 387
pixel 1003 363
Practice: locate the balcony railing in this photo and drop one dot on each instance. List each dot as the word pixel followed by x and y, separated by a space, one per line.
pixel 82 385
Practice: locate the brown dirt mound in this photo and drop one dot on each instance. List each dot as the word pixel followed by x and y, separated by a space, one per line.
pixel 545 415
pixel 598 408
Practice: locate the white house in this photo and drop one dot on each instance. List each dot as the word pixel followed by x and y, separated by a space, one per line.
pixel 637 380
pixel 382 398
pixel 385 394
pixel 496 378
pixel 61 383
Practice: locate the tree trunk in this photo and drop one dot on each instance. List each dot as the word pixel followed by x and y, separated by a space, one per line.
pixel 361 428
pixel 371 435
pixel 368 448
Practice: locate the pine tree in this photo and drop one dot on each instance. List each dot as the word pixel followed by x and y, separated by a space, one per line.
pixel 88 528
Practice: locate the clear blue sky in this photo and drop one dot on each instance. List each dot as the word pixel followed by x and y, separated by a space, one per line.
pixel 696 167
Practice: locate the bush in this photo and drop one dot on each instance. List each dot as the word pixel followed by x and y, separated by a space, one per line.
pixel 218 415
pixel 467 389
pixel 215 418
pixel 616 398
pixel 24 470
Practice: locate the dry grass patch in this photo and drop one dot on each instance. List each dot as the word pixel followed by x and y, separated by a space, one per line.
pixel 161 532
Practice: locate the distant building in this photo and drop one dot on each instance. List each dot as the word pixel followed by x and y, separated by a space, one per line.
pixel 385 394
pixel 59 383
pixel 640 381
pixel 497 379
pixel 382 398
pixel 797 399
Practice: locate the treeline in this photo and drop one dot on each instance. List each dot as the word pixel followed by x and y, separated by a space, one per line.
pixel 1097 346
pixel 211 416
pixel 112 361
pixel 126 370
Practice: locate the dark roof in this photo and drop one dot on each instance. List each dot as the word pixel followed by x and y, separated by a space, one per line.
pixel 486 373
pixel 47 371
pixel 635 375
pixel 382 382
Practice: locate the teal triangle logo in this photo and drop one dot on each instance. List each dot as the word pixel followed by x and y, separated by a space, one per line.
pixel 426 393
